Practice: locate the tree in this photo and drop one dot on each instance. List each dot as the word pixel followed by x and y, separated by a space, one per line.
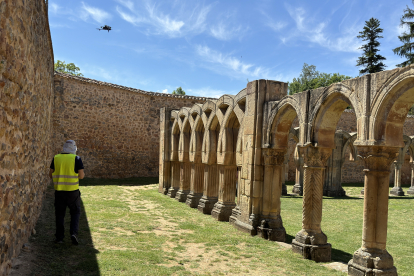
pixel 178 91
pixel 406 50
pixel 69 68
pixel 310 78
pixel 370 59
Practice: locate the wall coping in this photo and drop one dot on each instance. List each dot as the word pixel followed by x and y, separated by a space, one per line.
pixel 156 94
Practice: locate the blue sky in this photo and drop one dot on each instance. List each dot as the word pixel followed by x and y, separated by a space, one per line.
pixel 210 48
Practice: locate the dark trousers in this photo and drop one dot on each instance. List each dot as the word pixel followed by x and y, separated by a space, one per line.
pixel 73 201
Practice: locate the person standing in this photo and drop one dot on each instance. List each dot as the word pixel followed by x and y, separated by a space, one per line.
pixel 66 170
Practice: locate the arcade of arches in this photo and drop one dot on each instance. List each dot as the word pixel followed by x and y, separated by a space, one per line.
pixel 238 146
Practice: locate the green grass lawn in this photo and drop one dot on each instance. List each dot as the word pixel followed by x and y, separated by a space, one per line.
pixel 128 228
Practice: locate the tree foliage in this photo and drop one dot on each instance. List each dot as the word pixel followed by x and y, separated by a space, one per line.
pixel 310 78
pixel 407 37
pixel 371 60
pixel 69 68
pixel 178 91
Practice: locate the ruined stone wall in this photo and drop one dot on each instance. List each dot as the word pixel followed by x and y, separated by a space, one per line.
pixel 26 93
pixel 116 128
pixel 352 170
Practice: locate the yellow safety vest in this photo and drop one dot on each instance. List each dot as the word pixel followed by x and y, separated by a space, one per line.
pixel 64 176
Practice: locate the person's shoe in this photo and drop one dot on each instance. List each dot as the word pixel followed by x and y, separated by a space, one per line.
pixel 74 239
pixel 59 241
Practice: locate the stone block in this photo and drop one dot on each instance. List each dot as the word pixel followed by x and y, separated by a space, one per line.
pixel 206 204
pixel 222 211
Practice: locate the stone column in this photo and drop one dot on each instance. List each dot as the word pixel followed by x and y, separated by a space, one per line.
pixel 175 179
pixel 311 242
pixel 285 174
pixel 397 190
pixel 227 193
pixel 185 177
pixel 196 185
pixel 210 190
pixel 271 226
pixel 236 212
pixel 372 258
pixel 298 187
pixel 164 159
pixel 411 189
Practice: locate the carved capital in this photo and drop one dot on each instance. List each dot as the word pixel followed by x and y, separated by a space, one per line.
pixel 314 156
pixel 274 156
pixel 377 158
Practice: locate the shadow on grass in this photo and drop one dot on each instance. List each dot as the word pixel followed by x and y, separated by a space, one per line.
pixel 133 181
pixel 340 256
pixel 66 258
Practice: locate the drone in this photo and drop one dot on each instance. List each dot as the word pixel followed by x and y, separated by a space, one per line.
pixel 106 28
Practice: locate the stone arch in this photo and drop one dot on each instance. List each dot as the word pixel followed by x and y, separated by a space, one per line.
pixel 325 114
pixel 196 140
pixel 281 119
pixel 229 133
pixel 175 139
pixel 390 107
pixel 210 141
pixel 350 139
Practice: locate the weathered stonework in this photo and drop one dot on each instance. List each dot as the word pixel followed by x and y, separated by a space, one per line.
pixel 26 98
pixel 252 130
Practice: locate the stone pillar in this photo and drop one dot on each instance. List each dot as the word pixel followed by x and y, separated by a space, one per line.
pixel 185 177
pixel 164 160
pixel 333 172
pixel 175 179
pixel 210 190
pixel 298 187
pixel 271 226
pixel 411 189
pixel 372 258
pixel 196 185
pixel 236 212
pixel 397 190
pixel 227 193
pixel 285 174
pixel 311 242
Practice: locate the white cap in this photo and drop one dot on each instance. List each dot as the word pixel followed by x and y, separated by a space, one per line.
pixel 70 147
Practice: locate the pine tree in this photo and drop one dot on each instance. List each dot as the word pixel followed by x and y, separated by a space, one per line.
pixel 178 91
pixel 371 61
pixel 407 49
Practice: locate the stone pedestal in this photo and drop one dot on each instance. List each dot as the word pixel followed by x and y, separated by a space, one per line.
pixel 175 179
pixel 210 189
pixel 334 191
pixel 372 258
pixel 372 262
pixel 272 230
pixel 196 185
pixel 397 191
pixel 311 242
pixel 227 193
pixel 185 177
pixel 312 245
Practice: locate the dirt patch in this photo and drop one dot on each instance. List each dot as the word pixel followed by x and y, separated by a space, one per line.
pixel 337 266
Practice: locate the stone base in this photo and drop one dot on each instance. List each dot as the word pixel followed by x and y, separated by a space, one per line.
pixel 222 210
pixel 164 191
pixel 244 227
pixel 235 214
pixel 312 246
pixel 181 195
pixel 334 193
pixel 362 191
pixel 397 191
pixel 411 191
pixel 172 192
pixel 193 199
pixel 372 263
pixel 206 204
pixel 297 189
pixel 284 189
pixel 272 229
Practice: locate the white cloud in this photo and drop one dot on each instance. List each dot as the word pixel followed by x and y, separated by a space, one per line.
pixel 165 91
pixel 126 3
pixel 54 8
pixel 184 21
pixel 96 14
pixel 223 32
pixel 233 66
pixel 316 33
